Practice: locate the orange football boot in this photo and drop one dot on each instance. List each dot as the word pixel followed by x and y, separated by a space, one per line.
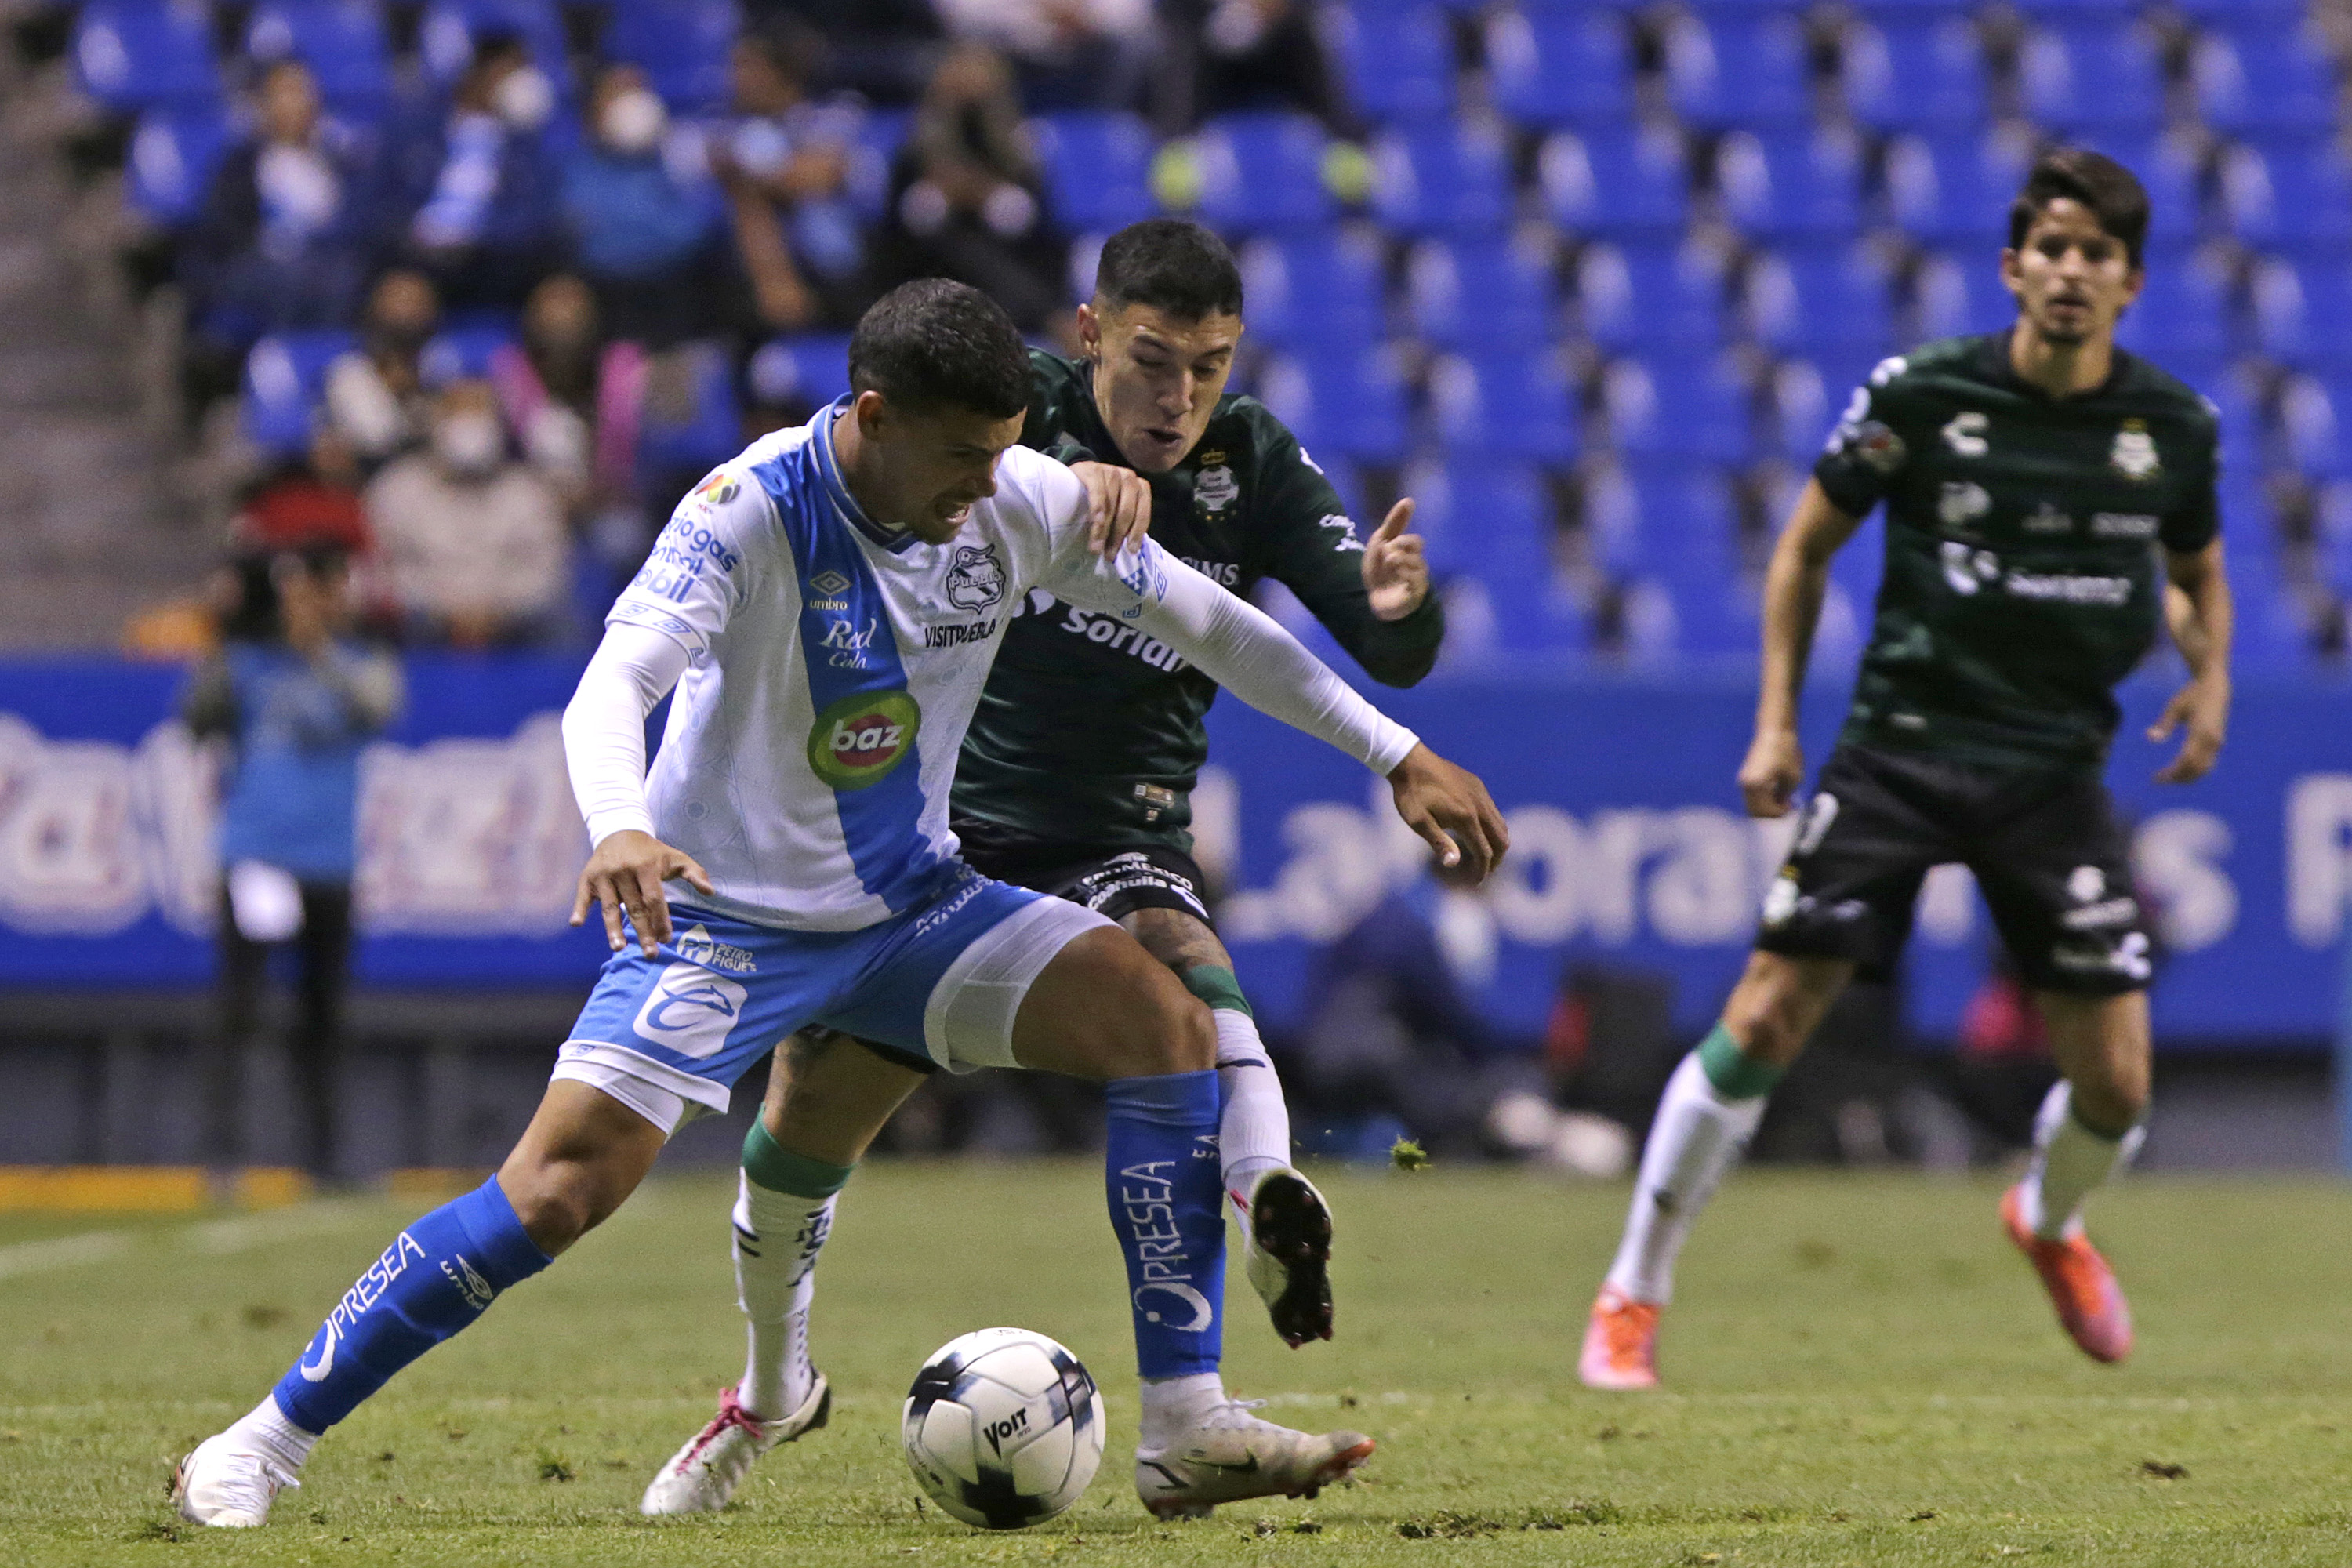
pixel 2091 1305
pixel 1621 1342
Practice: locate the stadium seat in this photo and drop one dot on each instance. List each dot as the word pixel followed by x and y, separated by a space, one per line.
pixel 2303 310
pixel 1678 409
pixel 1098 168
pixel 1484 293
pixel 1262 173
pixel 1348 401
pixel 1955 189
pixel 682 45
pixel 2184 314
pixel 2316 427
pixel 2242 13
pixel 1953 294
pixel 1831 301
pixel 285 375
pixel 1519 404
pixel 172 157
pixel 131 55
pixel 710 427
pixel 445 36
pixel 1806 396
pixel 462 350
pixel 1324 288
pixel 342 41
pixel 1570 67
pixel 2246 438
pixel 1922 73
pixel 1740 71
pixel 2172 166
pixel 2104 75
pixel 2295 195
pixel 810 369
pixel 1616 181
pixel 1652 295
pixel 1489 528
pixel 1670 523
pixel 1790 185
pixel 1448 178
pixel 880 133
pixel 1397 65
pixel 2268 77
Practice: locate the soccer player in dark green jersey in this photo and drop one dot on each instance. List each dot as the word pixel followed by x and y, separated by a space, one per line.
pixel 2042 486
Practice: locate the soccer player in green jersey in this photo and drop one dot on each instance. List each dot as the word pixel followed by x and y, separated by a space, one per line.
pixel 1075 779
pixel 2041 486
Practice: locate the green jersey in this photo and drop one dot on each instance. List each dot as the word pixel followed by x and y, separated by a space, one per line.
pixel 2023 533
pixel 1089 735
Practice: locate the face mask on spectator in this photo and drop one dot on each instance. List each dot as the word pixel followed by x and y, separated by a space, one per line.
pixel 524 99
pixel 468 443
pixel 633 122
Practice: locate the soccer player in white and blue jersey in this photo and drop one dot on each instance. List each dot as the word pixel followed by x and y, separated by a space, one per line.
pixel 826 606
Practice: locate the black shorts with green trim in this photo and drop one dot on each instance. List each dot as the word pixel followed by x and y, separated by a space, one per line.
pixel 1114 883
pixel 2045 846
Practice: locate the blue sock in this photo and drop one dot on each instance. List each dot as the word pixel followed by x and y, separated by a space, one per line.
pixel 1166 1201
pixel 436 1278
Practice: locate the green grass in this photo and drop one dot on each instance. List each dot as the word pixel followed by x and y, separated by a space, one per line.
pixel 1863 1374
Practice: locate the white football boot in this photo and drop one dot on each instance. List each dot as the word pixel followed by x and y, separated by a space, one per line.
pixel 228 1484
pixel 701 1477
pixel 1286 1252
pixel 1230 1454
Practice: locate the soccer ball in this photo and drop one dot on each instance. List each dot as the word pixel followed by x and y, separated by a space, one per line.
pixel 1003 1428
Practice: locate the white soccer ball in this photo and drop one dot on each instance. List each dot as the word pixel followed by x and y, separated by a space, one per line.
pixel 1003 1428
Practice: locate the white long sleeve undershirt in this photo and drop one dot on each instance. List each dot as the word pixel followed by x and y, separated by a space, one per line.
pixel 604 726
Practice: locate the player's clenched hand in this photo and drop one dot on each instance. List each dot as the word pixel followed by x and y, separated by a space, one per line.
pixel 1396 574
pixel 1451 808
pixel 1770 778
pixel 627 872
pixel 1121 512
pixel 2203 706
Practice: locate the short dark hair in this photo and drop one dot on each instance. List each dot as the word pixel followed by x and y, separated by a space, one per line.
pixel 932 344
pixel 2112 193
pixel 1171 264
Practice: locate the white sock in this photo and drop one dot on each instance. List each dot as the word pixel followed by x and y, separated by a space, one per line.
pixel 777 1238
pixel 266 1427
pixel 1254 1134
pixel 1697 1136
pixel 2069 1161
pixel 1173 1406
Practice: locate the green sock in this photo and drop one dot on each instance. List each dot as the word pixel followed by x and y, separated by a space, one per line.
pixel 1734 1074
pixel 1216 986
pixel 768 1163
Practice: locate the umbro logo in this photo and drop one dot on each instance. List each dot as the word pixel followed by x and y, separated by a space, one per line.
pixel 831 584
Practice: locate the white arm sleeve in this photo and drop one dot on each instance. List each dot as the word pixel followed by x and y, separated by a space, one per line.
pixel 604 726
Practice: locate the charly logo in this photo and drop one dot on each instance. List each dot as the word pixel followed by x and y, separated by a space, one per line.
pixel 863 737
pixel 2134 454
pixel 975 577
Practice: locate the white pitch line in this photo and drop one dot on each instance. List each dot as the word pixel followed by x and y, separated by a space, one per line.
pixel 62 1252
pixel 214 1238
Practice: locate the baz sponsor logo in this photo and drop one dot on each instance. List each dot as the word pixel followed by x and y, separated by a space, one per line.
pixel 690 1010
pixel 975 577
pixel 2134 455
pixel 861 740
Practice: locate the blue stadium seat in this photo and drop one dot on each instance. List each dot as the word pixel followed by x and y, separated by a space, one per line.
pixel 1856 572
pixel 710 429
pixel 1790 185
pixel 132 53
pixel 1489 527
pixel 810 369
pixel 1807 395
pixel 2241 13
pixel 445 36
pixel 2303 310
pixel 284 375
pixel 342 41
pixel 1663 520
pixel 1740 71
pixel 682 45
pixel 462 350
pixel 2104 75
pixel 2184 314
pixel 1562 67
pixel 1922 73
pixel 1322 288
pixel 1680 408
pixel 1484 293
pixel 1955 189
pixel 1397 65
pixel 2316 427
pixel 1518 403
pixel 2293 196
pixel 1098 168
pixel 880 133
pixel 1348 401
pixel 2172 166
pixel 1832 300
pixel 1952 294
pixel 1617 182
pixel 2269 76
pixel 2273 625
pixel 1652 295
pixel 2247 443
pixel 1448 178
pixel 1262 172
pixel 172 157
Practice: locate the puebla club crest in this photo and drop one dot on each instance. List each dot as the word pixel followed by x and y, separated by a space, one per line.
pixel 975 577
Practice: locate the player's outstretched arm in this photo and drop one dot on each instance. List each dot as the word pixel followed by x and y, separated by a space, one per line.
pixel 2202 631
pixel 1118 503
pixel 1794 585
pixel 1449 806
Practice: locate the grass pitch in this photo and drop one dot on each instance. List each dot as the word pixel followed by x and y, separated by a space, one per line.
pixel 1862 1371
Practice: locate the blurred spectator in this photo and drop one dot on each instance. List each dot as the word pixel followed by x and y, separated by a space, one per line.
pixel 295 700
pixel 473 542
pixel 883 49
pixel 1069 54
pixel 470 196
pixel 1229 55
pixel 642 210
pixel 375 393
pixel 966 199
pixel 576 404
pixel 784 160
pixel 278 245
